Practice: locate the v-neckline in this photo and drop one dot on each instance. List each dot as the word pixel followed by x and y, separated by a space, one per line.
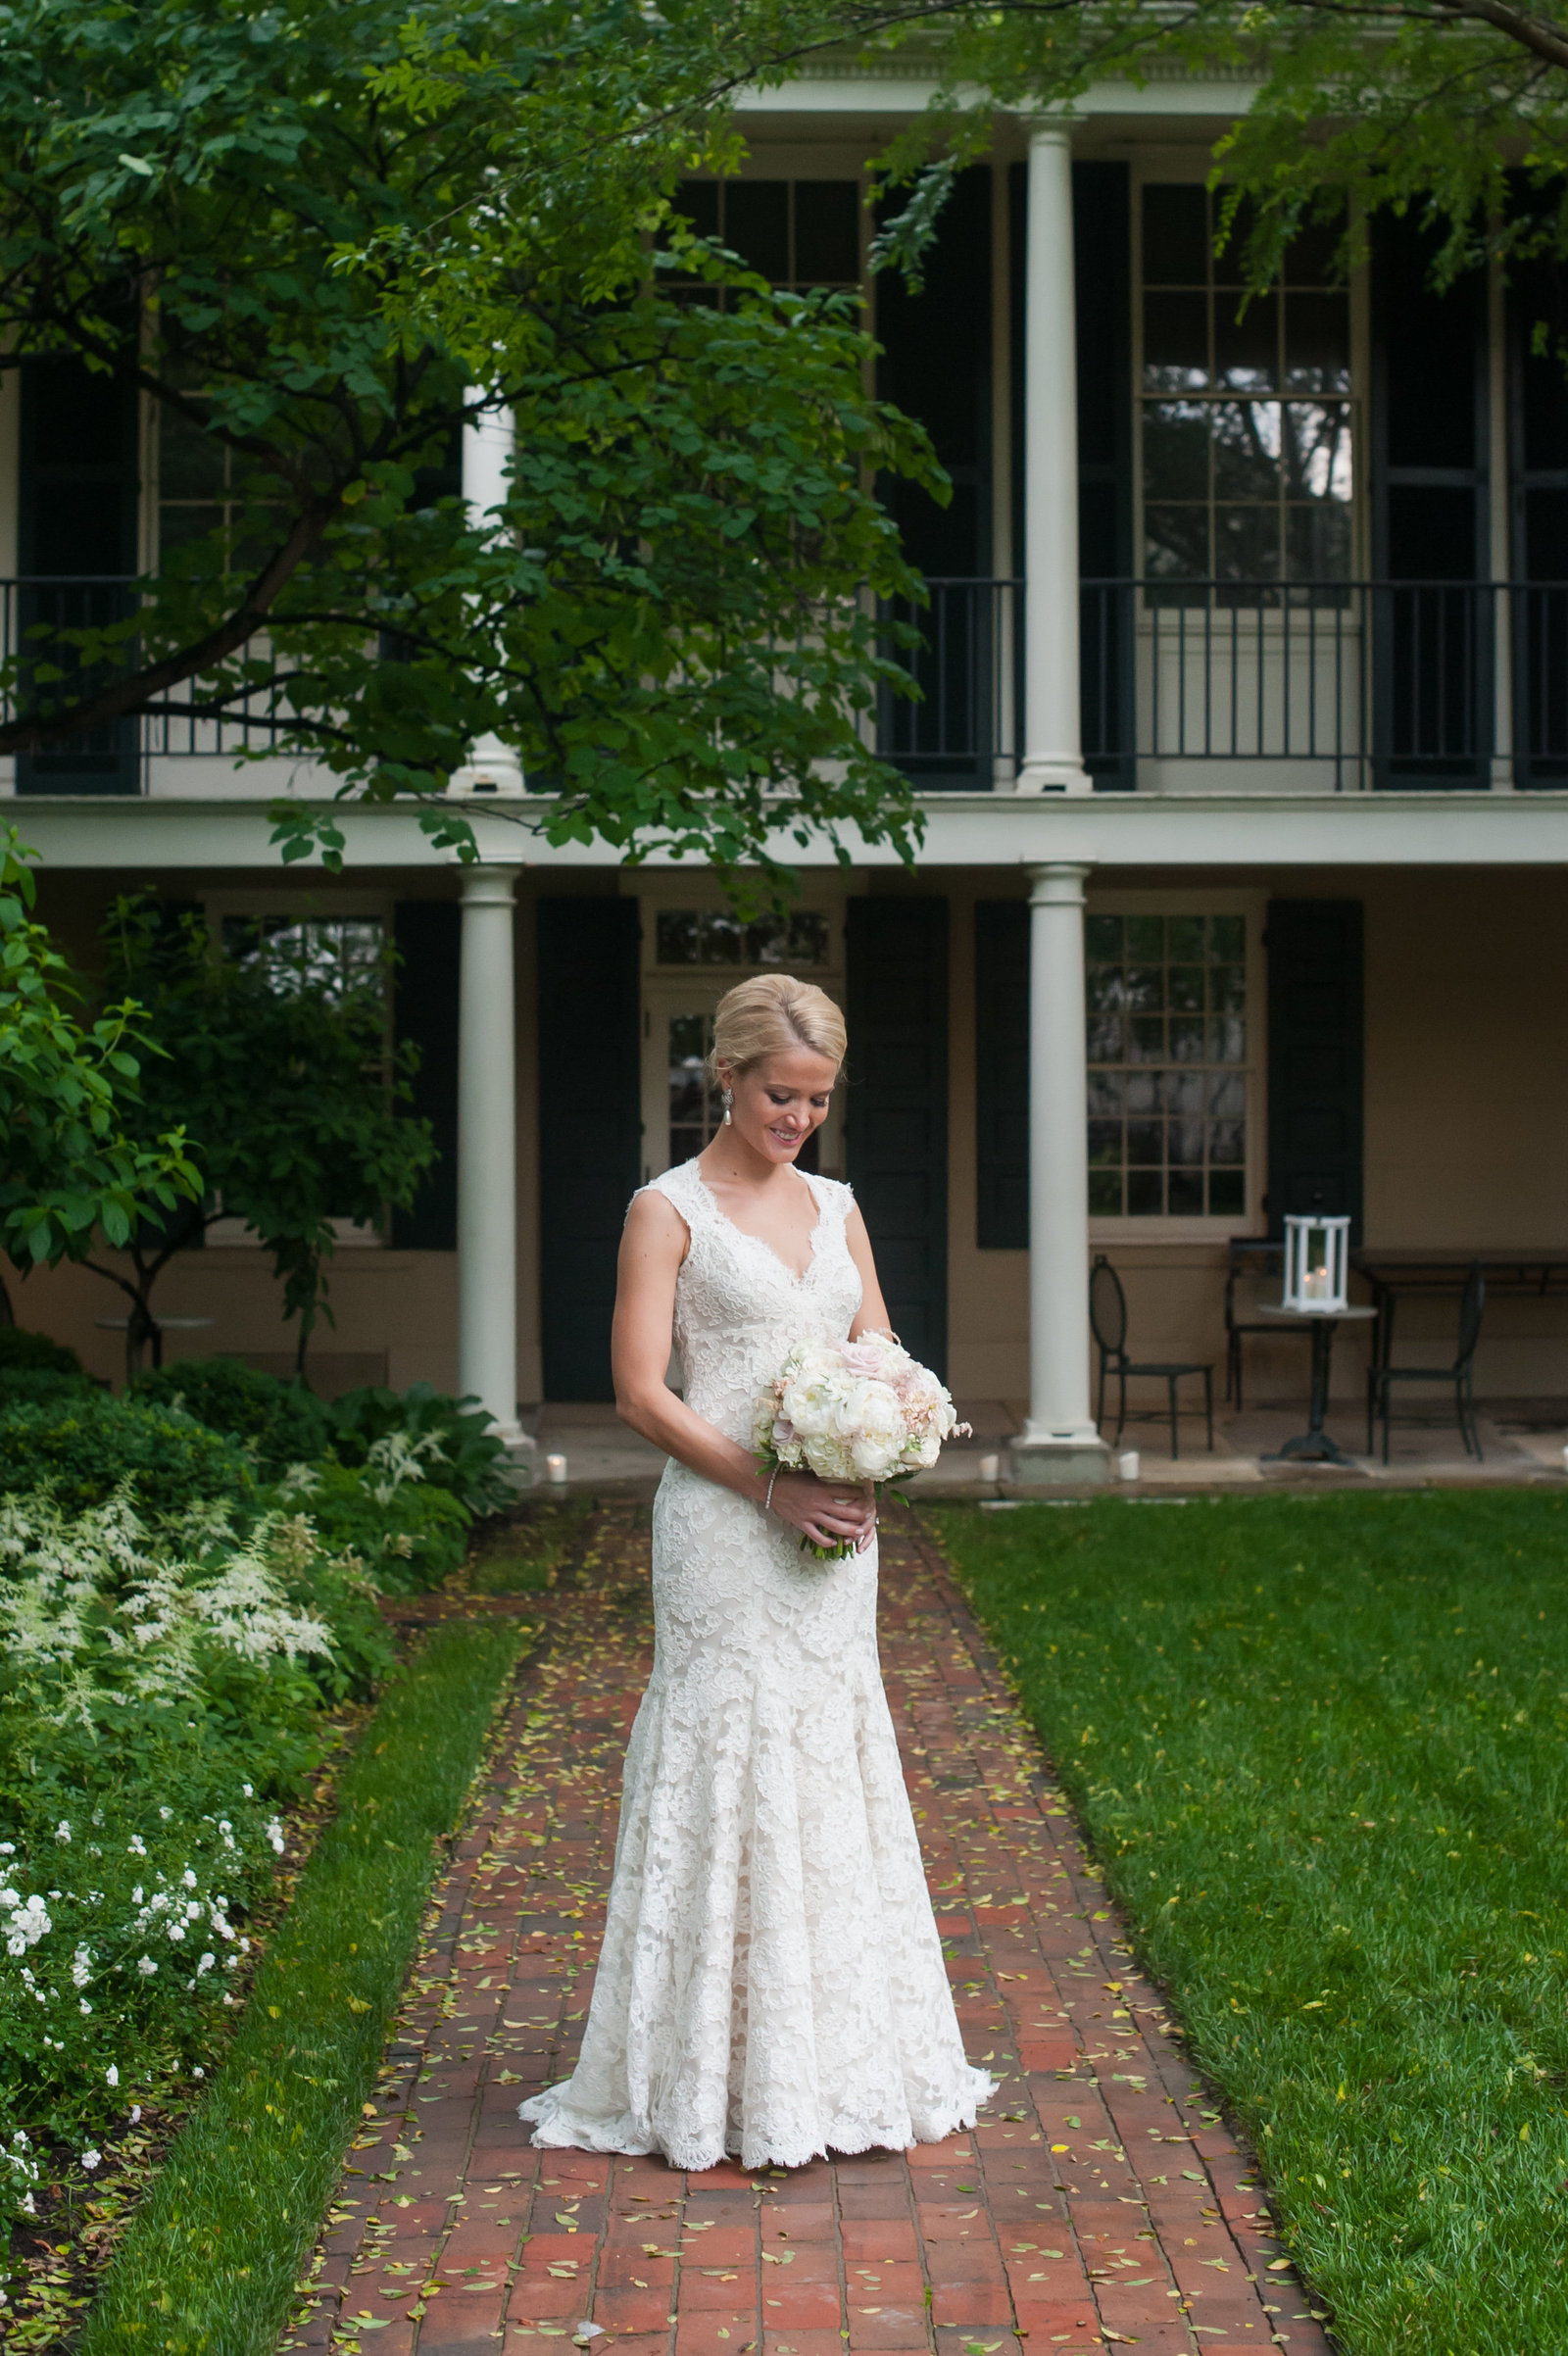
pixel 798 1276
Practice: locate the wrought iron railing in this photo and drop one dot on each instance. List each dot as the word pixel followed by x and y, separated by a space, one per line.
pixel 1386 684
pixel 963 729
pixel 1349 684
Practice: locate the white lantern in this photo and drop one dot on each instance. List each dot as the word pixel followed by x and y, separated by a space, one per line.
pixel 1317 1264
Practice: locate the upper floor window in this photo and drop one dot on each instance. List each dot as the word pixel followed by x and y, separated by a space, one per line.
pixel 199 486
pixel 1247 427
pixel 795 233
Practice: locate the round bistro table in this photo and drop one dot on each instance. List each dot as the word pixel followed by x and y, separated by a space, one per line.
pixel 1314 1445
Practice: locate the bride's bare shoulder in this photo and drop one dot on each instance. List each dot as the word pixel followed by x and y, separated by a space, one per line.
pixel 655 1226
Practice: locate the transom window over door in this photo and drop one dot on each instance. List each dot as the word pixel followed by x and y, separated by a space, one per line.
pixel 1248 426
pixel 1167 1049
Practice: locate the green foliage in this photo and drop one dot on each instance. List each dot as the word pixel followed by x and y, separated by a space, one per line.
pixel 84 1443
pixel 155 1689
pixel 1452 114
pixel 350 218
pixel 73 1157
pixel 215 2249
pixel 1319 1747
pixel 34 1354
pixel 284 1080
pixel 469 1457
pixel 408 1534
pixel 280 1423
pixel 24 1385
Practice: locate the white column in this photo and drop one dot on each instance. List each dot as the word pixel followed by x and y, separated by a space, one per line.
pixel 1053 759
pixel 1060 1442
pixel 492 768
pixel 487 1152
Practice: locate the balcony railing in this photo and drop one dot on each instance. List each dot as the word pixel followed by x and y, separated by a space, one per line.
pixel 1342 684
pixel 1280 686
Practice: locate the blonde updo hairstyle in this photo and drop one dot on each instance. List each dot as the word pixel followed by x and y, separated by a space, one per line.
pixel 775 1014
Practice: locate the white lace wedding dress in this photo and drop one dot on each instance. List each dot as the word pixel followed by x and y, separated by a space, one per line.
pixel 771 1982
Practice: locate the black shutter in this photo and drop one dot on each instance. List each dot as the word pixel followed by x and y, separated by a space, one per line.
pixel 77 514
pixel 1538 439
pixel 1001 1074
pixel 1314 1060
pixel 1432 671
pixel 427 934
pixel 590 1130
pixel 1103 282
pixel 895 1112
pixel 935 364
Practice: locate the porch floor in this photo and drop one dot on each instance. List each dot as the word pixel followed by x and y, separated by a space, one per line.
pixel 1524 1441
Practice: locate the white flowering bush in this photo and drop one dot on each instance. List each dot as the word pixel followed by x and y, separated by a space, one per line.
pixel 161 1686
pixel 861 1410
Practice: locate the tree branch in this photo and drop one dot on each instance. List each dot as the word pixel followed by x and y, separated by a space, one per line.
pixel 128 694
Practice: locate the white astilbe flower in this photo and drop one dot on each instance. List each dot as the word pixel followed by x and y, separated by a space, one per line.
pixel 394 1458
pixel 299 1481
pixel 97 1611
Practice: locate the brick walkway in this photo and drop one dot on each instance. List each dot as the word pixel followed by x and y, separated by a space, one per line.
pixel 1097 2202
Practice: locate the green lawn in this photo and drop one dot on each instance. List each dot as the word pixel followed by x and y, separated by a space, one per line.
pixel 1318 1744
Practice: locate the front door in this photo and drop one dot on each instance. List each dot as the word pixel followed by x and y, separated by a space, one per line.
pixel 681 1107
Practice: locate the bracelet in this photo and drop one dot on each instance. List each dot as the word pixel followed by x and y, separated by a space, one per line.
pixel 768 1501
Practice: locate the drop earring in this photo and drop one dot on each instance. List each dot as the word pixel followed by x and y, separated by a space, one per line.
pixel 726 1100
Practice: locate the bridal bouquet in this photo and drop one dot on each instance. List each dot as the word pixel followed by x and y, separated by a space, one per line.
pixel 860 1411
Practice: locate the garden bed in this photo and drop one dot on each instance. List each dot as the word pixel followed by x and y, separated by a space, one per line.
pixel 198 1589
pixel 1319 1745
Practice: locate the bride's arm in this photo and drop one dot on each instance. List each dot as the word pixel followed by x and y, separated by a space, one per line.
pixel 872 1317
pixel 651 1250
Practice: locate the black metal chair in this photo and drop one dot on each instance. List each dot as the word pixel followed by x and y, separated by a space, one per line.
pixel 1252 1256
pixel 1107 1317
pixel 1461 1374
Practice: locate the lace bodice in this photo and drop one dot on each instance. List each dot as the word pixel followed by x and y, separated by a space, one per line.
pixel 740 1311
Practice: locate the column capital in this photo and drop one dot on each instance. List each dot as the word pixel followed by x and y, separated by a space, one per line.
pixel 1058 883
pixel 488 885
pixel 1054 130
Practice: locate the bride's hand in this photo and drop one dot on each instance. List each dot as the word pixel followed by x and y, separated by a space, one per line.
pixel 826 1511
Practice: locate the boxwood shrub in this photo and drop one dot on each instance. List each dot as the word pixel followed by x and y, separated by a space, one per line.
pixel 81 1445
pixel 36 1353
pixel 283 1423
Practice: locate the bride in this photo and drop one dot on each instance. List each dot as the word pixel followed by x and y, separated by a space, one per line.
pixel 771 1982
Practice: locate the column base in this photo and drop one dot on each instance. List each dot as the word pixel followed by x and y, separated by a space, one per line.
pixel 523 1455
pixel 1075 1460
pixel 492 768
pixel 1041 775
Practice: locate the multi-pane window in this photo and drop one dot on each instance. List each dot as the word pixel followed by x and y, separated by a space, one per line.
pixel 1247 431
pixel 199 490
pixel 695 1109
pixel 344 956
pixel 1167 1057
pixel 717 936
pixel 795 233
